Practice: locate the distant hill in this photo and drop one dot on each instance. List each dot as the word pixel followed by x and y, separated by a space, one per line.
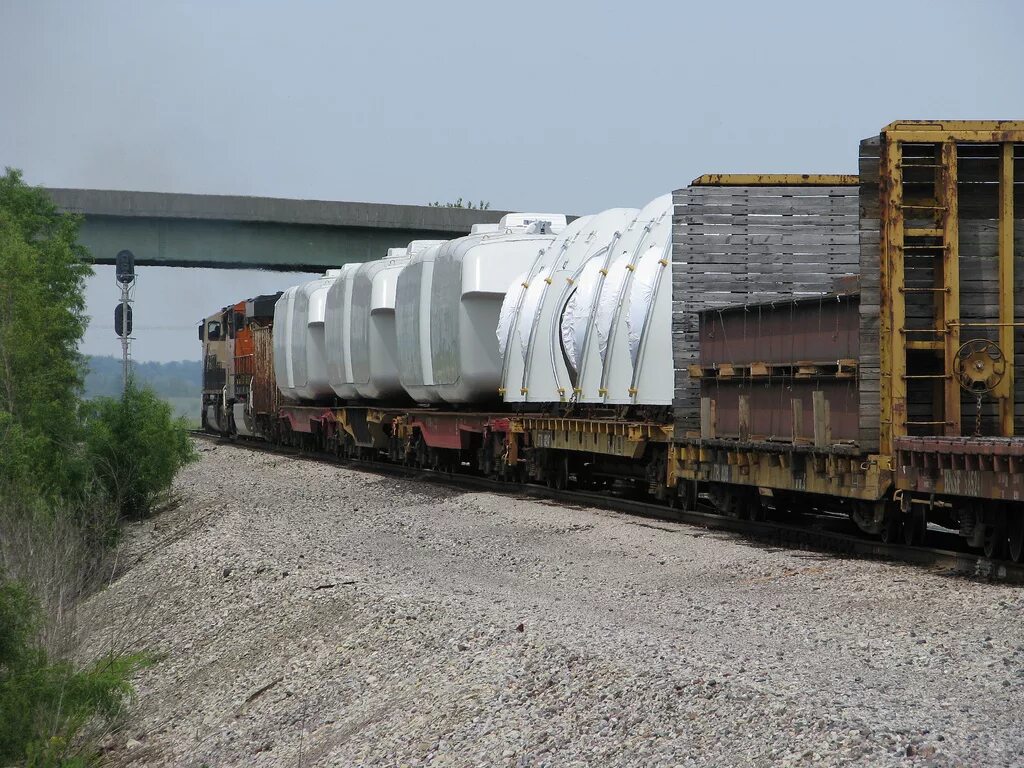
pixel 183 378
pixel 179 383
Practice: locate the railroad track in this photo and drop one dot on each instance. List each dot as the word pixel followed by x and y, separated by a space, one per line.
pixel 814 535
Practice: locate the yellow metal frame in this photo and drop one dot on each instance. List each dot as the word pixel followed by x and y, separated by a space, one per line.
pixel 1004 390
pixel 895 339
pixel 634 430
pixel 961 131
pixel 341 419
pixel 827 474
pixel 617 438
pixel 776 180
pixel 948 218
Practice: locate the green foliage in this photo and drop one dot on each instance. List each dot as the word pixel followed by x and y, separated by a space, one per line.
pixel 42 318
pixel 44 705
pixel 17 624
pixel 135 447
pixel 483 205
pixel 54 449
pixel 64 465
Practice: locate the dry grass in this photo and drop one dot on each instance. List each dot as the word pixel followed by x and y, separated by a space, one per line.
pixel 56 556
pixel 60 558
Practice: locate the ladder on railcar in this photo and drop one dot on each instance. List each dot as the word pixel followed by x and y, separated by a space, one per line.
pixel 923 335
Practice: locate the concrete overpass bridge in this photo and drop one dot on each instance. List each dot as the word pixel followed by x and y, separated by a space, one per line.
pixel 227 231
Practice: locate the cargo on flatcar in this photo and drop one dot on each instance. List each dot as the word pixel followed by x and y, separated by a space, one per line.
pixel 764 343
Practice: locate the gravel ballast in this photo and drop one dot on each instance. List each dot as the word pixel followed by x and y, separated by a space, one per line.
pixel 315 615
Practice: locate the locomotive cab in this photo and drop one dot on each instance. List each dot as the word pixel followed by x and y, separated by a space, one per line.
pixel 215 362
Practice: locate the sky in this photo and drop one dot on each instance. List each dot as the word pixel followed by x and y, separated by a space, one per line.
pixel 556 106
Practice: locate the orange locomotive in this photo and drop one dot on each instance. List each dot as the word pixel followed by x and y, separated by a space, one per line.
pixel 228 364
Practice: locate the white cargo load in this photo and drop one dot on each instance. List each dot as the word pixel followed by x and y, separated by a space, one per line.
pixel 532 223
pixel 372 340
pixel 283 373
pixel 535 366
pixel 615 328
pixel 412 323
pixel 470 280
pixel 337 322
pixel 300 358
pixel 483 229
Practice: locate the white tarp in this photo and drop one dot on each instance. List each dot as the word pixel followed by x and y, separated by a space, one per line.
pixel 608 301
pixel 576 316
pixel 641 294
pixel 531 304
pixel 507 316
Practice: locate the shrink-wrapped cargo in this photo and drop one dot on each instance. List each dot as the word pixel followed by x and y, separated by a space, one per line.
pixel 373 343
pixel 646 281
pixel 519 310
pixel 300 358
pixel 577 313
pixel 282 335
pixel 337 324
pixel 535 367
pixel 412 323
pixel 471 277
pixel 606 320
pixel 508 314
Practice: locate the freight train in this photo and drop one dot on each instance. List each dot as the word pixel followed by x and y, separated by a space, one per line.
pixel 761 342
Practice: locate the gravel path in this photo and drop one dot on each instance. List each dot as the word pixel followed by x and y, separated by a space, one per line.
pixel 315 615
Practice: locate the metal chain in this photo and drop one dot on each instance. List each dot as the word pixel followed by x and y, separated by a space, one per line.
pixel 977 417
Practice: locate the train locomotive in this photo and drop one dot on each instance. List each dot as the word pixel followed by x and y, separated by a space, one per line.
pixel 779 343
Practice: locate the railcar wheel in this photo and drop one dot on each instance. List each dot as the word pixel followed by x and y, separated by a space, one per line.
pixel 725 500
pixel 1016 537
pixel 891 527
pixel 558 472
pixel 754 507
pixel 686 490
pixel 915 526
pixel 994 538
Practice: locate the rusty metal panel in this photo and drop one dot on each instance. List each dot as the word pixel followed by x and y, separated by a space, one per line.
pixel 772 410
pixel 266 399
pixel 974 467
pixel 822 329
pixel 763 366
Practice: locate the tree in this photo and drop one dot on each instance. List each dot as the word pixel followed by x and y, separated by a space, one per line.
pixel 483 205
pixel 54 452
pixel 42 319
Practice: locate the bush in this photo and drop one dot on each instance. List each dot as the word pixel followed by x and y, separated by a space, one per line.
pixel 46 707
pixel 135 447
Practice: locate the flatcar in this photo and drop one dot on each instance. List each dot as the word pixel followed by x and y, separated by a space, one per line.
pixel 785 342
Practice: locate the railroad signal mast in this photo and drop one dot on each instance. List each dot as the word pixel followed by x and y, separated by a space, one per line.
pixel 125 277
